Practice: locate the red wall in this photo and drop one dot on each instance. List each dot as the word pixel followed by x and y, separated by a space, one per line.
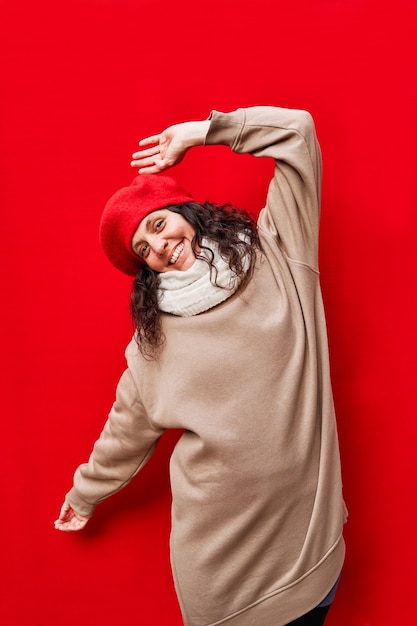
pixel 81 82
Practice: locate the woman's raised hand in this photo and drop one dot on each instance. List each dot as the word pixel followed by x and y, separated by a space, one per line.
pixel 169 147
pixel 69 520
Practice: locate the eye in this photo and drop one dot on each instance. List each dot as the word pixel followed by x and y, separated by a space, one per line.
pixel 143 250
pixel 159 224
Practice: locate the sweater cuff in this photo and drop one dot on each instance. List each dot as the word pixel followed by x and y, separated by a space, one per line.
pixel 79 505
pixel 225 128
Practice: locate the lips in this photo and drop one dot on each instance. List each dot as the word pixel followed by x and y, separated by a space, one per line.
pixel 177 251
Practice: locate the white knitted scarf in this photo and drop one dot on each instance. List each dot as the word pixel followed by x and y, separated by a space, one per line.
pixel 190 292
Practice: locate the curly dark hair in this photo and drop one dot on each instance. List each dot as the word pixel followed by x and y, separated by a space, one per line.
pixel 223 225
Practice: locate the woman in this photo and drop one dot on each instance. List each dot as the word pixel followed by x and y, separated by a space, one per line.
pixel 230 347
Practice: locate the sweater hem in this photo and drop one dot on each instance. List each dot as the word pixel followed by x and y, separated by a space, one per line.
pixel 278 607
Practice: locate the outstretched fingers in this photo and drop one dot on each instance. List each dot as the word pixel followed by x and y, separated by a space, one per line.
pixel 146 141
pixel 147 161
pixel 145 153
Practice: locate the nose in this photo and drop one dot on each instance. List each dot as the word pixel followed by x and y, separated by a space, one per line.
pixel 158 245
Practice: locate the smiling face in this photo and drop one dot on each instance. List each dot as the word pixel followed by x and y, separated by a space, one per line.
pixel 163 241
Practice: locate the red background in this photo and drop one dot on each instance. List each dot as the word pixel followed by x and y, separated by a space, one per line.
pixel 81 82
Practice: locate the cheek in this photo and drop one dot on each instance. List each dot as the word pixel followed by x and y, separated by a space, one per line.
pixel 154 263
pixel 190 233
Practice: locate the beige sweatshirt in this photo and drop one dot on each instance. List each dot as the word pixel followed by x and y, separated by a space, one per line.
pixel 257 509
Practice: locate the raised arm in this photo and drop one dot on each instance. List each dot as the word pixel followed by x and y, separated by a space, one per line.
pixel 292 211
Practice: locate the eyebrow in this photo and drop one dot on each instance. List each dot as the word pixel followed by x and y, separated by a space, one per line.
pixel 147 229
pixel 148 224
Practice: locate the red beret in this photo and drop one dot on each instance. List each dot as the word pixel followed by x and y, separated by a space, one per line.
pixel 127 208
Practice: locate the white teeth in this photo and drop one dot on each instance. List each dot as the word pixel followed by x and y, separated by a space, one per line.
pixel 176 253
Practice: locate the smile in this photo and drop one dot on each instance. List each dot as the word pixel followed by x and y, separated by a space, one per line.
pixel 176 253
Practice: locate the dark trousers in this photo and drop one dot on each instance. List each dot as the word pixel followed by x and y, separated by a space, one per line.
pixel 315 617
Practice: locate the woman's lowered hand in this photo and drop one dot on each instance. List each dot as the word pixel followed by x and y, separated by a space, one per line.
pixel 69 520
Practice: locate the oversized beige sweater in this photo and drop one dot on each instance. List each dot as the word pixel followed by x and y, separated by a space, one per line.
pixel 257 510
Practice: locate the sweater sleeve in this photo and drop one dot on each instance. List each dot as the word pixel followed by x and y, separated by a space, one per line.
pixel 292 207
pixel 125 445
